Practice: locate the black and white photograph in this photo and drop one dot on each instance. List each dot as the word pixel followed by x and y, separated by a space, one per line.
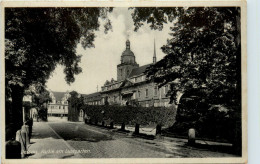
pixel 131 82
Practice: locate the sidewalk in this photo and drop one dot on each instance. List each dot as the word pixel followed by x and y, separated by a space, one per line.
pixel 46 143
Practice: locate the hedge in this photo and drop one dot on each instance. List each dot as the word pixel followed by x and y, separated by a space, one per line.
pixel 163 116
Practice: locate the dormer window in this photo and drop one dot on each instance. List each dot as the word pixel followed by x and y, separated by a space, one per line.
pixel 134 95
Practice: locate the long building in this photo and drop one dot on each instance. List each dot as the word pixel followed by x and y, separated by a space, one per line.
pixel 131 86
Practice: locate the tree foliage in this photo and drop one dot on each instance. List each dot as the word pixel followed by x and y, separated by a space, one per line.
pixel 37 39
pixel 203 53
pixel 40 96
pixel 203 50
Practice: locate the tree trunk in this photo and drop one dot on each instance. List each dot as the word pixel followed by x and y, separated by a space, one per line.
pixel 74 114
pixel 111 125
pixel 103 123
pixel 137 128
pixel 69 111
pixel 158 129
pixel 16 115
pixel 123 126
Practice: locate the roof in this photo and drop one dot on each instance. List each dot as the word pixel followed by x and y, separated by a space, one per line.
pixel 128 52
pixel 93 96
pixel 139 70
pixel 58 95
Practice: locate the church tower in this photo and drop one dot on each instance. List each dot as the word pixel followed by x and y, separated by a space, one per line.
pixel 127 64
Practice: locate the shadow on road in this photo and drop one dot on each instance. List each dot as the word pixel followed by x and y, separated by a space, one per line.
pixel 144 136
pixel 74 132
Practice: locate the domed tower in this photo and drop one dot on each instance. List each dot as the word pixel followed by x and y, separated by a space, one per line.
pixel 127 63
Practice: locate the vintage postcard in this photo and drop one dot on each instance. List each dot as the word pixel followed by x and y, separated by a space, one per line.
pixel 124 82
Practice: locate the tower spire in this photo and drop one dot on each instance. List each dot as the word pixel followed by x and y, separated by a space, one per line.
pixel 154 53
pixel 127 44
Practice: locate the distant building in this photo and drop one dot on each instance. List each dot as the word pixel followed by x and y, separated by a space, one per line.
pixel 93 99
pixel 59 104
pixel 131 86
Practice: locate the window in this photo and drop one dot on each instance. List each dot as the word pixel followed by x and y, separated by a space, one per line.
pixel 146 92
pixel 63 107
pixel 155 91
pixel 143 78
pixel 139 94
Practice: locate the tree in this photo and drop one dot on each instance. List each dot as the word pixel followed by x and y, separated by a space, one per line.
pixel 204 50
pixel 203 53
pixel 76 102
pixel 41 97
pixel 37 39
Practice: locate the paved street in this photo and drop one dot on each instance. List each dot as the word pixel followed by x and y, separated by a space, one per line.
pixel 61 139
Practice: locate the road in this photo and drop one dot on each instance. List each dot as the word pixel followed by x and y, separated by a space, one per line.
pixel 96 142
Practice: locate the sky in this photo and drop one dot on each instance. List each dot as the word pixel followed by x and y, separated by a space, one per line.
pixel 100 63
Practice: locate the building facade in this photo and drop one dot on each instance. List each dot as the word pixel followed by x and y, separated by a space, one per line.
pixel 59 104
pixel 131 86
pixel 92 99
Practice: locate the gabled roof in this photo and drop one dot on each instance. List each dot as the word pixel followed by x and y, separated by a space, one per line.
pixel 58 95
pixel 139 70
